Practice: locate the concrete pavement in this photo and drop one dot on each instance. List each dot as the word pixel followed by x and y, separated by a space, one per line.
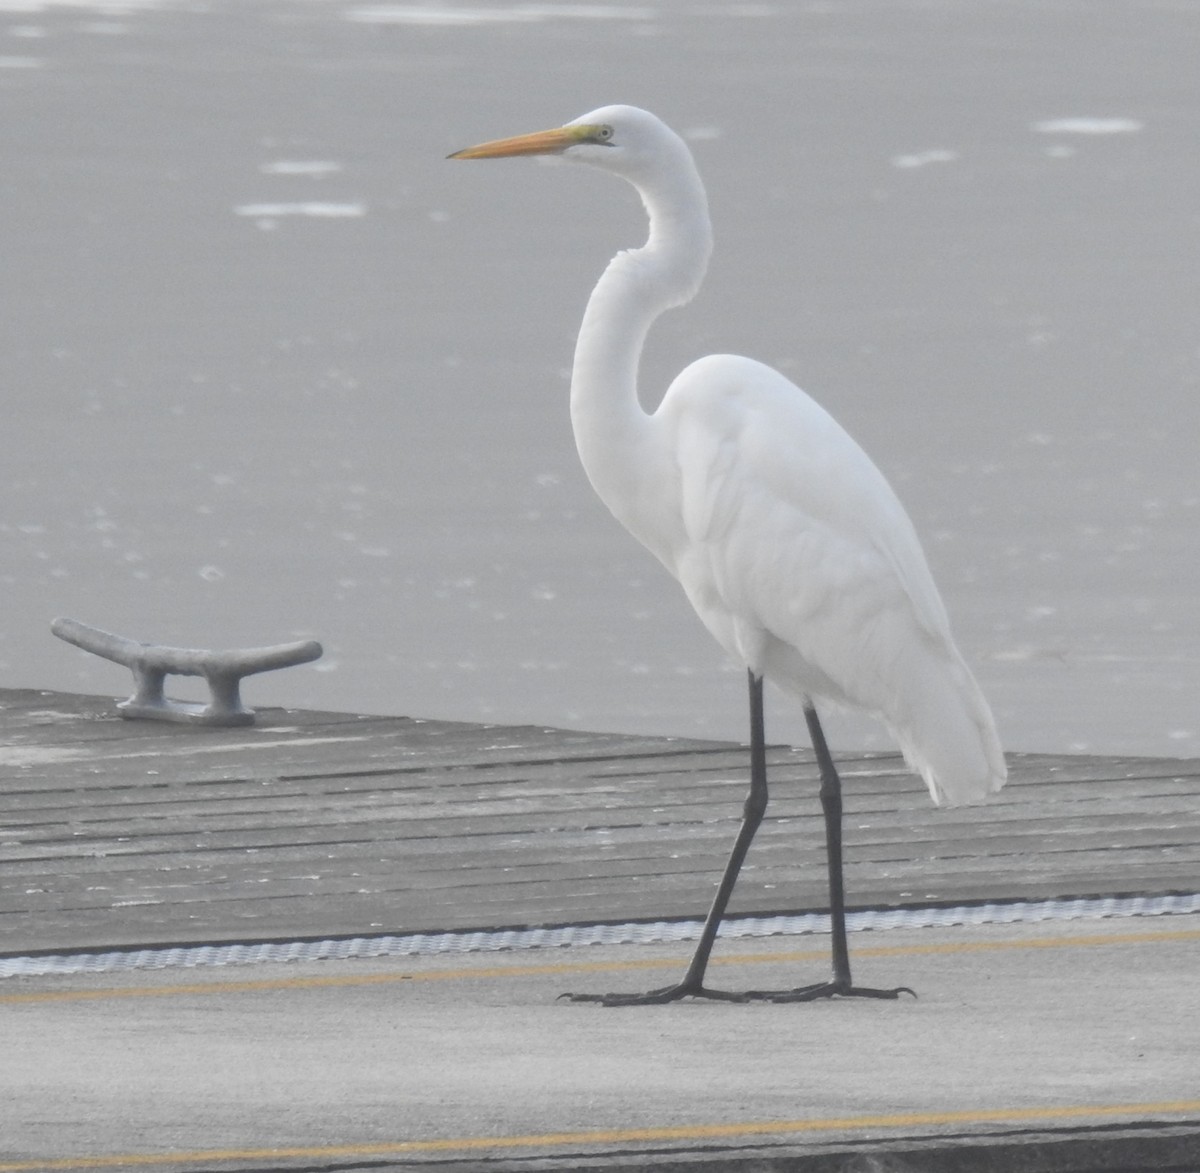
pixel 1022 1035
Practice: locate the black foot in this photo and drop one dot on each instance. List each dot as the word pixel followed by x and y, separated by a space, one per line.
pixel 833 989
pixel 657 997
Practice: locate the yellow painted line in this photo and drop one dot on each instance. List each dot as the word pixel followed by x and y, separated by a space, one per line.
pixel 563 970
pixel 620 1136
pixel 1089 939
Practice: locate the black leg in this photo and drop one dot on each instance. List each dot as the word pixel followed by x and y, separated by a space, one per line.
pixel 692 984
pixel 831 803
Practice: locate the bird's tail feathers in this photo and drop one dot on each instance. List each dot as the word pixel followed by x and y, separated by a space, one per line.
pixel 948 736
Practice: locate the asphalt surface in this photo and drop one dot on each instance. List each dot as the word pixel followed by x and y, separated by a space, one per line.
pixel 1024 1041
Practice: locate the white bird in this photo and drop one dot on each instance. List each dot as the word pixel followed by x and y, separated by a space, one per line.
pixel 790 544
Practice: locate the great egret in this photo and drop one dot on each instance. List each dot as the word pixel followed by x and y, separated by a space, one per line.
pixel 790 544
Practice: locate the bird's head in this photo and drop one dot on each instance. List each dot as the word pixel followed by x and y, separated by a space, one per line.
pixel 622 139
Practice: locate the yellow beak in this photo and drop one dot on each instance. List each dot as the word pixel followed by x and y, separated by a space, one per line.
pixel 542 142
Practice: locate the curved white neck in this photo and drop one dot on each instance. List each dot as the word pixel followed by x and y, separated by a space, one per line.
pixel 612 431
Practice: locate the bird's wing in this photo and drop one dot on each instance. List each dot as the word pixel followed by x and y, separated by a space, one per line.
pixel 792 516
pixel 801 561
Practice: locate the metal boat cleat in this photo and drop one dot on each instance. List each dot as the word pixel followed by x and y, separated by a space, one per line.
pixel 151 664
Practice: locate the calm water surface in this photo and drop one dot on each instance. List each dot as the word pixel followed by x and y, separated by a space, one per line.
pixel 272 368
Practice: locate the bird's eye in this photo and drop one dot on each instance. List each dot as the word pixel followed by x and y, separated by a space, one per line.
pixel 603 134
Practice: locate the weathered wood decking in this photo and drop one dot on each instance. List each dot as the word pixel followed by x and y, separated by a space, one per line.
pixel 121 833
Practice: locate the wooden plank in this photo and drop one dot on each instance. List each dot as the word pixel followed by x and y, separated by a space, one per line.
pixel 118 833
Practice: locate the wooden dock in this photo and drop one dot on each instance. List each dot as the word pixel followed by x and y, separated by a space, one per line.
pixel 121 834
pixel 1066 1047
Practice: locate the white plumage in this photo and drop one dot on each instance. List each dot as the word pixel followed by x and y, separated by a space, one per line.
pixel 803 565
pixel 789 542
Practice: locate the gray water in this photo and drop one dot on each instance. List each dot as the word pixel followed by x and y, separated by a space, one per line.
pixel 273 369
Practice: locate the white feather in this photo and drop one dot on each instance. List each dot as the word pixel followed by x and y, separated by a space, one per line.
pixel 789 542
pixel 791 545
